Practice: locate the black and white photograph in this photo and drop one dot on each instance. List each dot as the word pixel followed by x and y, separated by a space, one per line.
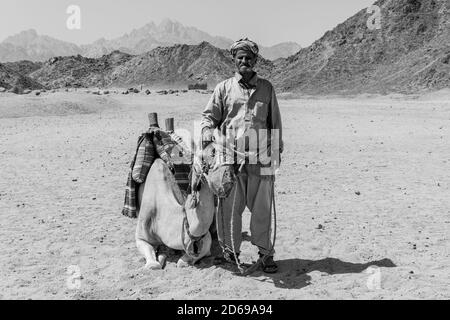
pixel 198 151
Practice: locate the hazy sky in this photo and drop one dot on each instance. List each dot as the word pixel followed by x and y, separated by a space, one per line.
pixel 266 21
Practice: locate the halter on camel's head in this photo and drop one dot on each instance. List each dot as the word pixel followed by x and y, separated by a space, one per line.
pixel 205 160
pixel 208 168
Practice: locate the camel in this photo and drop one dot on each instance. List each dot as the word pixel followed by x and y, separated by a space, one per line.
pixel 167 217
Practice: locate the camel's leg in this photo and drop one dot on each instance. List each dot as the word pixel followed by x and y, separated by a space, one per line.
pixel 205 251
pixel 184 261
pixel 143 244
pixel 149 253
pixel 162 259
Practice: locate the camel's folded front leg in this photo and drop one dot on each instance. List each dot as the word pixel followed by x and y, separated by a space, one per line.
pixel 143 244
pixel 205 251
pixel 149 253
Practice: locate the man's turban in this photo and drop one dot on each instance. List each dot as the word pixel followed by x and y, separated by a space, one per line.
pixel 246 45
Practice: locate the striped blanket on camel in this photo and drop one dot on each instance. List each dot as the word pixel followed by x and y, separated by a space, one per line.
pixel 151 145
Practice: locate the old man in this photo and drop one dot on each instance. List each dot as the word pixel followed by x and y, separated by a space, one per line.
pixel 245 111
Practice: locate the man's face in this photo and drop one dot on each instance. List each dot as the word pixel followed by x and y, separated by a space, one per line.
pixel 245 61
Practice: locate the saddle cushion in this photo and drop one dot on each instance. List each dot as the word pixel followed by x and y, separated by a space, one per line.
pixel 151 145
pixel 145 156
pixel 182 175
pixel 175 153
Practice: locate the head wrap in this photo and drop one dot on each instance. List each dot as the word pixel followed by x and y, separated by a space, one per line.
pixel 246 45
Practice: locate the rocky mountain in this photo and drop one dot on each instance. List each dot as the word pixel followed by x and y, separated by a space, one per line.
pixel 151 36
pixel 169 33
pixel 410 52
pixel 281 50
pixel 181 64
pixel 79 71
pixel 28 45
pixel 9 79
pixel 24 67
pixel 178 65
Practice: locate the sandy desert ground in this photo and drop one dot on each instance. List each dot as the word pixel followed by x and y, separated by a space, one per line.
pixel 363 194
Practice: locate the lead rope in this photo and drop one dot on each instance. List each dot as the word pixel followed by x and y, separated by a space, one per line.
pixel 222 245
pixel 238 263
pixel 219 207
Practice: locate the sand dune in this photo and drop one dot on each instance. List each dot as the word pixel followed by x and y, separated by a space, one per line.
pixel 364 182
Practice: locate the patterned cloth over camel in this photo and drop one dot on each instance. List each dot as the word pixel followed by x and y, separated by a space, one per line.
pixel 153 144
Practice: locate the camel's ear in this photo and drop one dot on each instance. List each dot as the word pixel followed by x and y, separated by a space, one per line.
pixel 196 183
pixel 197 161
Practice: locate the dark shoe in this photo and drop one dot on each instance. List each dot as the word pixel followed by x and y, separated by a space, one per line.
pixel 268 265
pixel 226 257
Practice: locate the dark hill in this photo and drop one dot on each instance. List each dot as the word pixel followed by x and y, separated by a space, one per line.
pixel 10 79
pixel 180 64
pixel 78 71
pixel 410 52
pixel 24 67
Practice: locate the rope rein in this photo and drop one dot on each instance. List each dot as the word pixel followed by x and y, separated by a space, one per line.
pixel 238 263
pixel 185 225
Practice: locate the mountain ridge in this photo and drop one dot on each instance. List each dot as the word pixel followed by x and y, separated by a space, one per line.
pixel 29 45
pixel 409 52
pixel 176 65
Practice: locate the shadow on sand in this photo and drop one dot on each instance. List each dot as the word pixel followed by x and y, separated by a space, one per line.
pixel 293 273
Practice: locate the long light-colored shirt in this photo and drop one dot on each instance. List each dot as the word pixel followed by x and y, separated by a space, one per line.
pixel 239 110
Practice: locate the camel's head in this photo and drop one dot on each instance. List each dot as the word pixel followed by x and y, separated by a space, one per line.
pixel 219 176
pixel 205 160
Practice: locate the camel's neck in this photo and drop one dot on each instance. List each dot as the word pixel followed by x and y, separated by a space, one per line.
pixel 202 216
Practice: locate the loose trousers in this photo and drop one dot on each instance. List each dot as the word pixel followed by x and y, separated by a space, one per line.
pixel 254 192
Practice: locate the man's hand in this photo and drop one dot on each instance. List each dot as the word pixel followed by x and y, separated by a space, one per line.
pixel 207 137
